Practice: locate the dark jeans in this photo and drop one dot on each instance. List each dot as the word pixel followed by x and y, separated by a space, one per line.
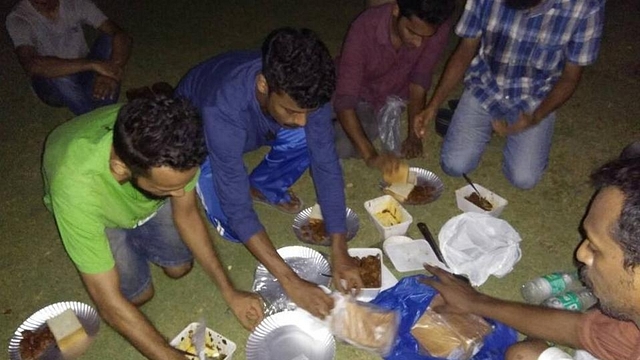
pixel 75 91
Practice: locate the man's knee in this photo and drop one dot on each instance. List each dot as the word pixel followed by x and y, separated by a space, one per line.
pixel 454 166
pixel 144 296
pixel 526 350
pixel 176 272
pixel 524 179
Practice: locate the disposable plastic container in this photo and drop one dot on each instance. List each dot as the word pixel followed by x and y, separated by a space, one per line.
pixel 498 202
pixel 212 339
pixel 381 203
pixel 539 289
pixel 368 293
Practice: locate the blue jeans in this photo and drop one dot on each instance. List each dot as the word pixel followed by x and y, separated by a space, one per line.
pixel 281 168
pixel 526 154
pixel 75 91
pixel 156 241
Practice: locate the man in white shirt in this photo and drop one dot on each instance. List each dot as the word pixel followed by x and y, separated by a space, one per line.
pixel 51 47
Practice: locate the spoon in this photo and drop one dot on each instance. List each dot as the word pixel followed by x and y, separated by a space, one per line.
pixel 472 185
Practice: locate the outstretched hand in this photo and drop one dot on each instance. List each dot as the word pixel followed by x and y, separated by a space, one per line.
pixel 104 87
pixel 387 163
pixel 412 147
pixel 247 307
pixel 310 297
pixel 346 274
pixel 458 296
pixel 421 120
pixel 502 128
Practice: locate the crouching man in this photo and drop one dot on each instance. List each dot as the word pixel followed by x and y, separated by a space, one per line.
pixel 120 183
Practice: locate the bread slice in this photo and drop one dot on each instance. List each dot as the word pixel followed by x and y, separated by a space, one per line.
pixel 399 191
pixel 401 175
pixel 66 329
pixel 316 213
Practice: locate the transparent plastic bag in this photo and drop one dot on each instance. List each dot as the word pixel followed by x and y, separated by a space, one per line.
pixel 450 336
pixel 388 119
pixel 363 325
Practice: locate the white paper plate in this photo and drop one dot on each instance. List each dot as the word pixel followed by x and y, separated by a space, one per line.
pixel 86 314
pixel 302 219
pixel 291 335
pixel 423 177
pixel 410 255
pixel 308 263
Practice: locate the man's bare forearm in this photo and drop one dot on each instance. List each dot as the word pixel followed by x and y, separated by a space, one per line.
pixel 417 102
pixel 121 48
pixel 193 232
pixel 560 93
pixel 558 326
pixel 52 67
pixel 126 318
pixel 263 250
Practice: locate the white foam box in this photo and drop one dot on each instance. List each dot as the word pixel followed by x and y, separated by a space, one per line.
pixel 498 202
pixel 368 293
pixel 212 338
pixel 378 204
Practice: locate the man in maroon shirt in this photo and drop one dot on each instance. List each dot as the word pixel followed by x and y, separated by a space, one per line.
pixel 390 49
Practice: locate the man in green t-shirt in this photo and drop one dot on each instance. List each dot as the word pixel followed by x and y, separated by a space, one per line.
pixel 120 183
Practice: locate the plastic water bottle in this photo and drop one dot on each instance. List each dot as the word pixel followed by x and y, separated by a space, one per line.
pixel 542 288
pixel 579 300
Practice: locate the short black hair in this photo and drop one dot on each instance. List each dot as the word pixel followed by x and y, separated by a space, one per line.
pixel 296 62
pixel 624 174
pixel 159 131
pixel 433 12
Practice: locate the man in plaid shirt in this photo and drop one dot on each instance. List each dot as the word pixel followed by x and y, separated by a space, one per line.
pixel 523 60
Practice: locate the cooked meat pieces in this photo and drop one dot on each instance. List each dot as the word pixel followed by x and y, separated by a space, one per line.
pixel 370 271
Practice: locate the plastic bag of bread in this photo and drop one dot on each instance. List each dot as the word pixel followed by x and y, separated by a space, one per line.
pixel 363 325
pixel 450 336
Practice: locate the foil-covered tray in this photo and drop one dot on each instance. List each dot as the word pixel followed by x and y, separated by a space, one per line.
pixel 308 263
pixel 303 233
pixel 86 314
pixel 423 177
pixel 291 335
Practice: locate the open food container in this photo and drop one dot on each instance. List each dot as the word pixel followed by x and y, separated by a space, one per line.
pixel 497 203
pixel 367 293
pixel 216 345
pixel 389 217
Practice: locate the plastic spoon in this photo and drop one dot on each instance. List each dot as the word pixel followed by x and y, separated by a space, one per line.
pixel 472 185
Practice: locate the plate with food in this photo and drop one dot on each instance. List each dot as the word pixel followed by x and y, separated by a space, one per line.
pixel 309 227
pixel 295 335
pixel 418 187
pixel 60 330
pixel 216 346
pixel 308 263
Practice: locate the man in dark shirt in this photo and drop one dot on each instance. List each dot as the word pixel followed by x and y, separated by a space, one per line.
pixel 278 99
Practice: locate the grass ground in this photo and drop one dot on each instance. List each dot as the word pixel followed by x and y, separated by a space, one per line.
pixel 172 36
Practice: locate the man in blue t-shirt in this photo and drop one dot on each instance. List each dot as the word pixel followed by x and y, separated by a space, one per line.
pixel 279 98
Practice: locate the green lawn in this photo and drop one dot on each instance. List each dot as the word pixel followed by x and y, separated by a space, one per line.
pixel 169 38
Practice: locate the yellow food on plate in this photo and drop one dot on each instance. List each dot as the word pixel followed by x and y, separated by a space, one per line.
pixel 390 215
pixel 211 351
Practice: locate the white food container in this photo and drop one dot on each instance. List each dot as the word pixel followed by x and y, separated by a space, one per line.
pixel 379 204
pixel 367 294
pixel 212 338
pixel 465 205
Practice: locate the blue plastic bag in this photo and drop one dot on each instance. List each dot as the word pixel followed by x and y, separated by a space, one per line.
pixel 410 298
